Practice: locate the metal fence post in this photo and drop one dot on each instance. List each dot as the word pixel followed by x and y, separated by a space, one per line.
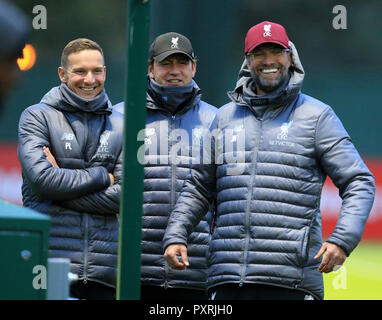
pixel 129 261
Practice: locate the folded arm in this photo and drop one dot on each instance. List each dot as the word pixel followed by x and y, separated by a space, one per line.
pixel 104 202
pixel 47 182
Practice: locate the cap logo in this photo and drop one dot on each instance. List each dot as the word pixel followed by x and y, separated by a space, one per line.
pixel 174 42
pixel 267 30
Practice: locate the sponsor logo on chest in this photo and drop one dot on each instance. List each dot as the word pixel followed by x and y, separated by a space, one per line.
pixel 67 136
pixel 282 138
pixel 149 133
pixel 104 142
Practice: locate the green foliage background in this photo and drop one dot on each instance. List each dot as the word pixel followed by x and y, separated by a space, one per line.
pixel 343 67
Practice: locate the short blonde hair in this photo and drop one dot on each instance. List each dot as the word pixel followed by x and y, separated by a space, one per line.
pixel 76 46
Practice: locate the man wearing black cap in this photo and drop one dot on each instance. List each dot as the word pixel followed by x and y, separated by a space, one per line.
pixel 267 240
pixel 14 29
pixel 177 119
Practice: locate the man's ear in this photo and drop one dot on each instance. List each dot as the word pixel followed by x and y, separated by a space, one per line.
pixel 62 74
pixel 150 70
pixel 290 59
pixel 193 68
pixel 104 72
pixel 247 58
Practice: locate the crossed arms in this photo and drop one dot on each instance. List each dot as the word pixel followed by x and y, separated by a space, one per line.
pixel 93 190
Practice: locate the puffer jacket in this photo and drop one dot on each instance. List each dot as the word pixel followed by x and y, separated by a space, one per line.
pixel 85 137
pixel 163 180
pixel 268 189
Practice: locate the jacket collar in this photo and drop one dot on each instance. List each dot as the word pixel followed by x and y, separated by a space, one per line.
pixel 174 100
pixel 62 98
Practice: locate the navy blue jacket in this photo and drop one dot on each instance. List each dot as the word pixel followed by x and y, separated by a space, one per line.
pixel 268 189
pixel 86 141
pixel 163 180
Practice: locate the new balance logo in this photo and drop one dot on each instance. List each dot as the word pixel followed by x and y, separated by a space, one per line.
pixel 67 136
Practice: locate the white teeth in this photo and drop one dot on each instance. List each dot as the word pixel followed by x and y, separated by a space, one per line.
pixel 269 70
pixel 88 89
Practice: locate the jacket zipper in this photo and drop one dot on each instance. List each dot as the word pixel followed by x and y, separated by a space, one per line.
pixel 172 192
pixel 249 200
pixel 86 247
pixel 173 169
pixel 86 138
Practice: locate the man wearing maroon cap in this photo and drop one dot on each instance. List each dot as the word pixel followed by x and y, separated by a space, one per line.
pixel 267 239
pixel 267 41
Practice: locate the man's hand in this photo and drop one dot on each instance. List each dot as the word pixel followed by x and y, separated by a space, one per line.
pixel 111 179
pixel 333 259
pixel 171 256
pixel 49 157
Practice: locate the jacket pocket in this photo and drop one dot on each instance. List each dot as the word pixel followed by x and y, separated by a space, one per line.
pixel 303 247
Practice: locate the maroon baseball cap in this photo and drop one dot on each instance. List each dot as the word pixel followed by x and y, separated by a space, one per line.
pixel 266 32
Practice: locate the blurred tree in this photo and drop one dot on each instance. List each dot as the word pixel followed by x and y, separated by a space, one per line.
pixel 342 66
pixel 100 20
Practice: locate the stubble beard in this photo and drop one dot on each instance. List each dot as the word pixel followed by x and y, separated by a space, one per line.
pixel 266 85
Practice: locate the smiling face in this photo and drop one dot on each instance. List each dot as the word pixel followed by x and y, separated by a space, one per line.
pixel 85 73
pixel 175 70
pixel 269 64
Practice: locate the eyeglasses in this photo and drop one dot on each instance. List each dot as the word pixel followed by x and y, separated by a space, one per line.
pixel 259 55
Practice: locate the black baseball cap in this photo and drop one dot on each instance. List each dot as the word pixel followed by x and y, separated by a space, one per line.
pixel 170 43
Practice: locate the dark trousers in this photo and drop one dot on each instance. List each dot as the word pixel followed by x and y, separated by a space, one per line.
pixel 233 291
pixel 92 291
pixel 172 294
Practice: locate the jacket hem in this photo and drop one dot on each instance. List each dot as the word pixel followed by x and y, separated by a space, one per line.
pixel 96 280
pixel 201 287
pixel 265 283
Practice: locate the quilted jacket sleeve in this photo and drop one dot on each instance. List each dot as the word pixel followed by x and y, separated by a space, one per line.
pixel 197 195
pixel 104 202
pixel 46 182
pixel 192 205
pixel 343 164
